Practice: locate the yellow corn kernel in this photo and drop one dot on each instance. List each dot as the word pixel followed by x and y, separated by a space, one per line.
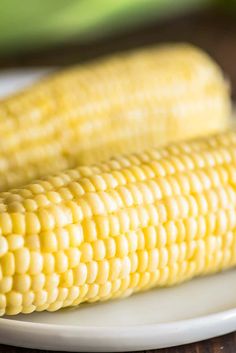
pixel 22 260
pixel 6 284
pixel 80 274
pixel 22 283
pixel 36 263
pixel 15 241
pixel 3 246
pixel 8 264
pixel 37 282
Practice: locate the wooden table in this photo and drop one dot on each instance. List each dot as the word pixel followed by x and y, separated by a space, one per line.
pixel 214 32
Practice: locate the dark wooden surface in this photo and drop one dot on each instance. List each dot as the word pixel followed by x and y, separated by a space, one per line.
pixel 213 31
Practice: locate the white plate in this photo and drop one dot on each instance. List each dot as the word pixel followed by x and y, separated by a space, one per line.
pixel 199 309
pixel 13 80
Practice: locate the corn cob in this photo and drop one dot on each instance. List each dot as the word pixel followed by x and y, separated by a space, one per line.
pixel 97 232
pixel 120 105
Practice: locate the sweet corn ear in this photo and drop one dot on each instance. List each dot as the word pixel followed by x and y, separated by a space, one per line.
pixel 139 221
pixel 121 104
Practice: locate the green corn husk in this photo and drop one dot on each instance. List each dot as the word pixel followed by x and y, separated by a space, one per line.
pixel 33 23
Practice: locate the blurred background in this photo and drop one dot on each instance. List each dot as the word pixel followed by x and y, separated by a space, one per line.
pixel 44 33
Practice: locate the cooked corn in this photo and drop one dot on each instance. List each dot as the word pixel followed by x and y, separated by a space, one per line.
pixel 151 219
pixel 119 105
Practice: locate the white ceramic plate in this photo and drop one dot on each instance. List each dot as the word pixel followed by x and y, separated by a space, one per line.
pixel 13 80
pixel 199 309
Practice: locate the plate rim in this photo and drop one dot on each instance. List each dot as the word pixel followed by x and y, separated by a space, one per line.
pixel 223 315
pixel 115 339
